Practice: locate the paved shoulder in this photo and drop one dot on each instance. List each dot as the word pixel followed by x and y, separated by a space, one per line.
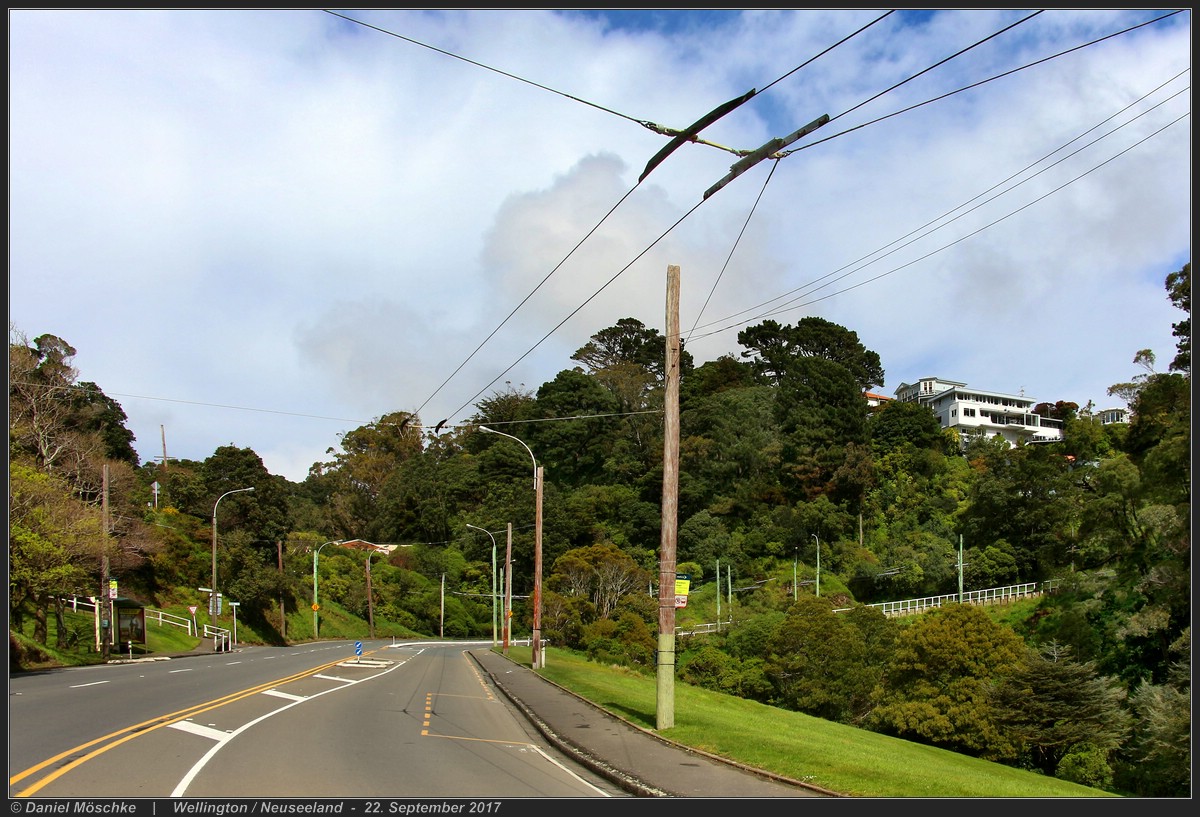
pixel 641 762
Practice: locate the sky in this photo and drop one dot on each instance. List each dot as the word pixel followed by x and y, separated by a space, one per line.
pixel 267 228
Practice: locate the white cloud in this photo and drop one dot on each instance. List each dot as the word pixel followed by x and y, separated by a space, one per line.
pixel 269 227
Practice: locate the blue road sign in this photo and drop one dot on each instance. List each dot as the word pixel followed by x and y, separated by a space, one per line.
pixel 358 648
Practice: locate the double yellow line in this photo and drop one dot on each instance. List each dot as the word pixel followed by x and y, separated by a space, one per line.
pixel 114 739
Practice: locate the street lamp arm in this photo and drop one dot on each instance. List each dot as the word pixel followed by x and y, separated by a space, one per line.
pixel 213 603
pixel 522 442
pixel 538 658
pixel 493 538
pixel 316 556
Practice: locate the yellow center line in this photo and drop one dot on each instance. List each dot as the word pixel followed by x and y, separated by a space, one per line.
pixel 130 732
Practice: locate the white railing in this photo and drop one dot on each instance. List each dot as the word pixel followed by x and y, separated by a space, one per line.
pixel 220 637
pixel 992 595
pixel 169 618
pixel 87 604
pixel 703 629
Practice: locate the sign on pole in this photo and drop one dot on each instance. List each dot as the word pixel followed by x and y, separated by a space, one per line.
pixel 682 582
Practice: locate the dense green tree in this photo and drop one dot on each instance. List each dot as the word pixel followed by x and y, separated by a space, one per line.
pixel 574 449
pixel 1023 496
pixel 94 412
pixel 630 342
pixel 774 349
pixel 62 426
pixel 726 372
pixel 936 687
pixel 353 482
pixel 899 424
pixel 729 453
pixel 54 545
pixel 601 573
pixel 703 538
pixel 821 412
pixel 820 662
pixel 1179 289
pixel 1051 704
pixel 1158 761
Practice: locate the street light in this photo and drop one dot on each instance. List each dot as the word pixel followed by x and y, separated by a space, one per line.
pixel 493 538
pixel 213 597
pixel 536 643
pixel 818 541
pixel 795 559
pixel 316 554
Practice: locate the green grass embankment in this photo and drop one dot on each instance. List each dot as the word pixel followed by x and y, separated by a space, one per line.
pixel 834 756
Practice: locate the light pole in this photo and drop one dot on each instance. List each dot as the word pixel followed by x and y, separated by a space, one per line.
pixel 536 643
pixel 795 559
pixel 213 598
pixel 493 538
pixel 818 541
pixel 233 605
pixel 316 607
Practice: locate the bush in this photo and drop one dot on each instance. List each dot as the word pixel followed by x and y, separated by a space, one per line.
pixel 1087 766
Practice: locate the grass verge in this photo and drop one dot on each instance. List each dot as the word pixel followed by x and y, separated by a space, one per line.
pixel 831 755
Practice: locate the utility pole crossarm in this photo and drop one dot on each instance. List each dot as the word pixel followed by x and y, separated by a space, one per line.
pixel 742 165
pixel 689 133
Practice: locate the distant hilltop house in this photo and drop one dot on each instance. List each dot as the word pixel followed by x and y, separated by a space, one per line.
pixel 975 413
pixel 1109 416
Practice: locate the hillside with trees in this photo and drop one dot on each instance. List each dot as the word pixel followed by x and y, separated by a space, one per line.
pixel 780 454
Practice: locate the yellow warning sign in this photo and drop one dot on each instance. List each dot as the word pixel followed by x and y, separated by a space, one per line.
pixel 682 583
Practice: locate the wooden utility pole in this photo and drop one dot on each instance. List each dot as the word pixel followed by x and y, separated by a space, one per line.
pixel 665 709
pixel 370 605
pixel 103 608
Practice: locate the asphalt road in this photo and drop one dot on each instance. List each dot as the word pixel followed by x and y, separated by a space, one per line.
pixel 401 721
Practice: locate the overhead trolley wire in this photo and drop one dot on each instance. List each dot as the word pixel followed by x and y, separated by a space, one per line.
pixel 816 142
pixel 788 307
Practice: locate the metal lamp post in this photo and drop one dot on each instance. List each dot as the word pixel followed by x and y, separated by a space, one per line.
pixel 795 559
pixel 493 538
pixel 818 541
pixel 536 642
pixel 315 606
pixel 213 598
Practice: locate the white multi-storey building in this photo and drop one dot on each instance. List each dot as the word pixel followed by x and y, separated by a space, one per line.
pixel 975 413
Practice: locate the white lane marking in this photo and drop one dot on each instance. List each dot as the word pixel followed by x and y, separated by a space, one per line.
pixel 211 753
pixel 92 684
pixel 219 735
pixel 335 678
pixel 173 671
pixel 279 694
pixel 568 771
